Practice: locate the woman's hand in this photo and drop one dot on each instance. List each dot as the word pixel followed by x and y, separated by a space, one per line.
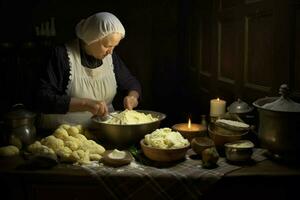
pixel 93 106
pixel 98 108
pixel 131 100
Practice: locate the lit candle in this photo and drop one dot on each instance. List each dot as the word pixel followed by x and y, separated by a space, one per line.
pixel 190 130
pixel 217 107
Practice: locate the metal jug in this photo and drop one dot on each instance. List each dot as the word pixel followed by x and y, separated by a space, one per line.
pixel 19 125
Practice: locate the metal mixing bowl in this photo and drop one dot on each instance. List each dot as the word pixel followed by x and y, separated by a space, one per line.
pixel 122 136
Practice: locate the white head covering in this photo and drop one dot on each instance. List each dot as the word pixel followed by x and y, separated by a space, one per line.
pixel 98 26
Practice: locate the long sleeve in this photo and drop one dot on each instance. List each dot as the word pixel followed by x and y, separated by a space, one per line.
pixel 51 95
pixel 125 80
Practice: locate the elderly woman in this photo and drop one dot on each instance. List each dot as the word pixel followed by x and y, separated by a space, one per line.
pixel 82 77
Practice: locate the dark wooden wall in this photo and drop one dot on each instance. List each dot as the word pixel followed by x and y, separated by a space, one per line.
pixel 242 49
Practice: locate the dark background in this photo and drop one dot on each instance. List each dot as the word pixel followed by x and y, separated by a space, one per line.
pixel 184 52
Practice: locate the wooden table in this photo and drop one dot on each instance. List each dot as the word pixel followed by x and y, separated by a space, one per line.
pixel 265 179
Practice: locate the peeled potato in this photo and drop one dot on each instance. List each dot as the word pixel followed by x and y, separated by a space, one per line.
pixel 9 150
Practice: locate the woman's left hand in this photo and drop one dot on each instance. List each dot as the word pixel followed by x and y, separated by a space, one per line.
pixel 130 102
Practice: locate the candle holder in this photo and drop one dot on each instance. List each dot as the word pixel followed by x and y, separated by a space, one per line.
pixel 195 130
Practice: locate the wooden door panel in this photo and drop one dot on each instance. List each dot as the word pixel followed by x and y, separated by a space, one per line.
pixel 258 51
pixel 203 60
pixel 227 49
pixel 200 44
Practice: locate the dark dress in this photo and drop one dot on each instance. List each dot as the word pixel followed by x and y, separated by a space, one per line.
pixel 51 95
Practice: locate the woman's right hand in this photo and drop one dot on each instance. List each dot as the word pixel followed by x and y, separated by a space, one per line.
pixel 98 108
pixel 93 106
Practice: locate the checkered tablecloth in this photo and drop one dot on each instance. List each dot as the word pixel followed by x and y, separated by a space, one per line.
pixel 185 180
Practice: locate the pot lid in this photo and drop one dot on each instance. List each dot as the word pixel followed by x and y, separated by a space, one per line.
pixel 282 104
pixel 18 111
pixel 239 107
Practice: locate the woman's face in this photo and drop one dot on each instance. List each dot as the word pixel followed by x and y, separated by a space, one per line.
pixel 103 47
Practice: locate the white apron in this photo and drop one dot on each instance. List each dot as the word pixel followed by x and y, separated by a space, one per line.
pixel 98 84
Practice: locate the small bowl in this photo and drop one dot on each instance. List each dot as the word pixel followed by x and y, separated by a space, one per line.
pixel 220 136
pixel 239 151
pixel 163 155
pixel 115 162
pixel 200 143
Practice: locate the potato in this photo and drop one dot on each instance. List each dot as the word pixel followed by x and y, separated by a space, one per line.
pixel 9 150
pixel 210 157
pixel 61 133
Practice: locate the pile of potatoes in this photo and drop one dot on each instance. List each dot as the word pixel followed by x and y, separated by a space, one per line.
pixel 70 144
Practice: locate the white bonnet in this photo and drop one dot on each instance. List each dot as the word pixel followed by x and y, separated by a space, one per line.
pixel 98 26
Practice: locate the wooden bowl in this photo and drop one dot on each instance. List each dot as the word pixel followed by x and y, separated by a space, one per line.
pixel 200 143
pixel 220 136
pixel 114 162
pixel 163 155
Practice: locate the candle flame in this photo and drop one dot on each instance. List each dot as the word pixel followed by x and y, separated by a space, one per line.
pixel 189 123
pixel 218 99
